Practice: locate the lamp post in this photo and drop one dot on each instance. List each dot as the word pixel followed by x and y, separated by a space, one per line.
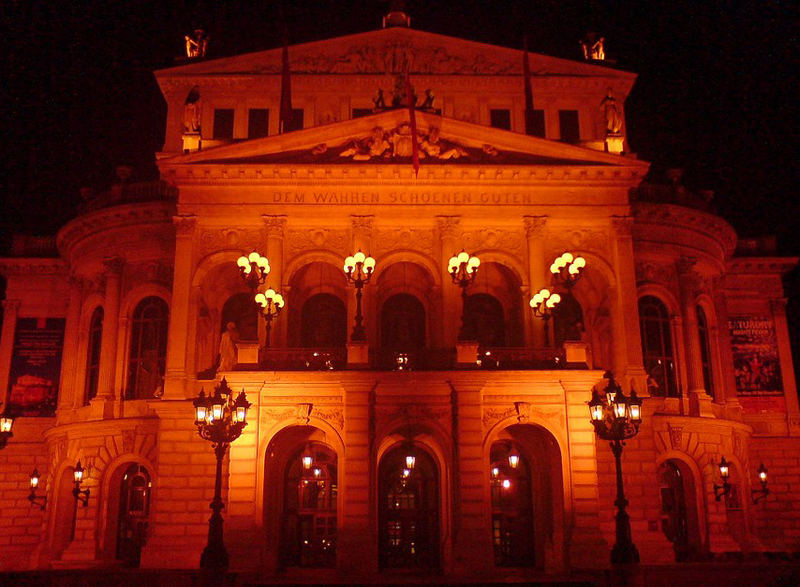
pixel 220 419
pixel 616 418
pixel 80 495
pixel 271 304
pixel 463 268
pixel 723 490
pixel 253 269
pixel 762 493
pixel 32 497
pixel 567 268
pixel 6 424
pixel 543 303
pixel 358 268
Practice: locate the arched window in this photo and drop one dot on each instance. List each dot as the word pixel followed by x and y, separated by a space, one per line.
pixel 309 519
pixel 659 360
pixel 512 507
pixel 93 354
pixel 241 309
pixel 485 320
pixel 567 320
pixel 323 322
pixel 148 350
pixel 705 351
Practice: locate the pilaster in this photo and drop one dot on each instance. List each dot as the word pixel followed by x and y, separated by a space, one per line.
pixel 10 314
pixel 70 394
pixel 537 275
pixel 108 341
pixel 778 309
pixel 275 226
pixel 449 231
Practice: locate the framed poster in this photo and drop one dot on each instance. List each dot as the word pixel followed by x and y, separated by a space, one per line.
pixel 36 366
pixel 756 363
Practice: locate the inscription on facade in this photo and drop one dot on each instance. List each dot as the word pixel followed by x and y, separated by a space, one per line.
pixel 419 198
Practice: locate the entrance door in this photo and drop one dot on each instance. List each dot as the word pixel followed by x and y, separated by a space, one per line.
pixel 674 518
pixel 134 509
pixel 408 512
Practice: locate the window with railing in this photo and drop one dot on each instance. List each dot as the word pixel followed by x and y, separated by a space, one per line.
pixel 659 358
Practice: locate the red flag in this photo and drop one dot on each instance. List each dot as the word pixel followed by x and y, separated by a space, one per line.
pixel 285 117
pixel 413 120
pixel 529 114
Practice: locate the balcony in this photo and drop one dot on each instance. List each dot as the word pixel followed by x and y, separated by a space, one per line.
pixel 128 193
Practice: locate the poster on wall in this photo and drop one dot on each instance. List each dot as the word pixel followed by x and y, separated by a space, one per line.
pixel 36 366
pixel 755 355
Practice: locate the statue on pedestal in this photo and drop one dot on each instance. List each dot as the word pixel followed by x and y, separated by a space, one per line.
pixel 191 112
pixel 612 114
pixel 227 347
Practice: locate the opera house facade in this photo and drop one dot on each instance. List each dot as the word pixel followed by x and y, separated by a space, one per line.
pixel 413 410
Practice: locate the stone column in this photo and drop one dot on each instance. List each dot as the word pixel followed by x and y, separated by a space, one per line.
pixel 628 349
pixel 726 388
pixel 275 226
pixel 10 313
pixel 449 229
pixel 108 340
pixel 537 276
pixel 175 376
pixel 688 283
pixel 70 390
pixel 778 307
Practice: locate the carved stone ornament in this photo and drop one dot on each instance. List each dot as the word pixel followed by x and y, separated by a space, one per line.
pixel 113 265
pixel 417 239
pixel 494 238
pixel 622 225
pixel 411 413
pixel 448 226
pixel 299 241
pixel 583 239
pixel 304 412
pixel 655 272
pixel 523 411
pixel 275 224
pixel 675 437
pixel 334 416
pixel 398 142
pixel 184 225
pixel 362 224
pixel 685 264
pixel 128 440
pixel 534 225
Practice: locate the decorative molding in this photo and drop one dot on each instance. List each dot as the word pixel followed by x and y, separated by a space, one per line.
pixel 448 226
pixel 301 240
pixel 712 226
pixel 664 274
pixel 675 437
pixel 416 239
pixel 495 238
pixel 275 224
pixel 184 225
pixel 362 225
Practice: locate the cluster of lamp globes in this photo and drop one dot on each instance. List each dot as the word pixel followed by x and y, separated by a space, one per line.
pixel 463 267
pixel 308 462
pixel 359 266
pixel 566 269
pixel 513 462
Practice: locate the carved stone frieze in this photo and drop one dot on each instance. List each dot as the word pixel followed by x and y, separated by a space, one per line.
pixel 665 214
pixel 583 239
pixel 647 271
pixel 301 240
pixel 411 413
pixel 334 416
pixel 523 411
pixel 277 414
pixel 149 272
pixel 495 238
pixel 211 240
pixel 417 239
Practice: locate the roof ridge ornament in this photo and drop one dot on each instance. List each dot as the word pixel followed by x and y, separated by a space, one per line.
pixel 397 16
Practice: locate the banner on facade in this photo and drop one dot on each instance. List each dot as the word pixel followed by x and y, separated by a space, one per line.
pixel 36 366
pixel 756 362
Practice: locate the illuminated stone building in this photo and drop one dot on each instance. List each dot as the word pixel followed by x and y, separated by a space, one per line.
pixel 145 280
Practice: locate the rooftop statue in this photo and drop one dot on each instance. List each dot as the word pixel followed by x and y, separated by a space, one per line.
pixel 612 114
pixel 196 44
pixel 593 47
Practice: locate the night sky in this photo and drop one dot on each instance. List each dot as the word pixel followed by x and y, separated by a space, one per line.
pixel 716 94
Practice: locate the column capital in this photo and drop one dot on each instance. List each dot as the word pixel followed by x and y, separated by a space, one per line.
pixel 113 266
pixel 534 225
pixel 11 306
pixel 685 264
pixel 275 224
pixel 362 223
pixel 623 225
pixel 448 225
pixel 184 224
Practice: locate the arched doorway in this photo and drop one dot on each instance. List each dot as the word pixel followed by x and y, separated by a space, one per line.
pixel 513 526
pixel 309 510
pixel 408 511
pixel 132 513
pixel 485 320
pixel 679 518
pixel 403 323
pixel 527 499
pixel 324 322
pixel 66 509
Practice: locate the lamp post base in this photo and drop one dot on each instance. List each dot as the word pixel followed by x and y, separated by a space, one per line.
pixel 623 554
pixel 214 558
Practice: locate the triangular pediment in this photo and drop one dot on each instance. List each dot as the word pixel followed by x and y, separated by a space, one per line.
pixel 384 138
pixel 395 50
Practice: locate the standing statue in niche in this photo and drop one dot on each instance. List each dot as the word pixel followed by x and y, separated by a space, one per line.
pixel 191 112
pixel 612 114
pixel 227 347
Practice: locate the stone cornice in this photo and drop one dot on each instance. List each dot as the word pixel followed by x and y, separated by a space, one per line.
pixel 32 266
pixel 762 265
pixel 710 225
pixel 115 217
pixel 278 174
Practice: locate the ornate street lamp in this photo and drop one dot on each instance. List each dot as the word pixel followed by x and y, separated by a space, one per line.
pixel 253 269
pixel 6 424
pixel 40 501
pixel 220 419
pixel 81 495
pixel 567 268
pixel 463 268
pixel 271 304
pixel 763 492
pixel 358 268
pixel 616 418
pixel 543 303
pixel 723 490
